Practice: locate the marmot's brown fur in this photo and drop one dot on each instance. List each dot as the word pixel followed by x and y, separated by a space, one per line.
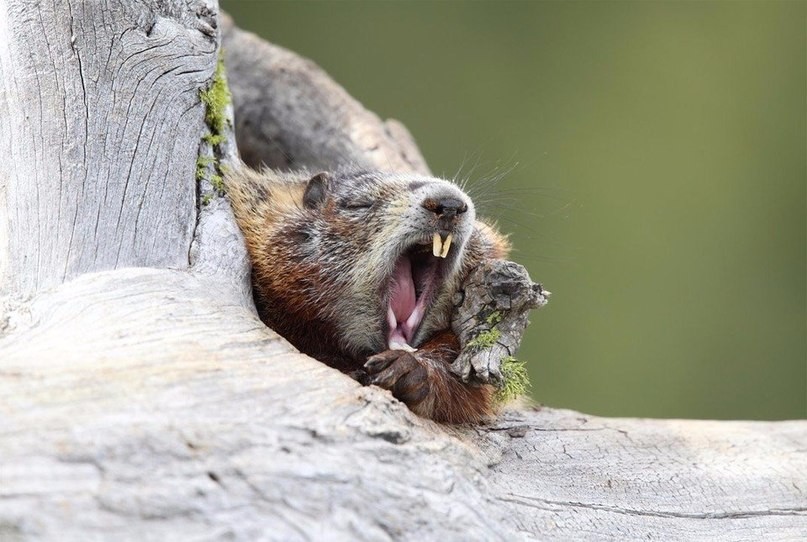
pixel 358 269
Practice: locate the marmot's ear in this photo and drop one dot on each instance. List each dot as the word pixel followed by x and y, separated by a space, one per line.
pixel 316 190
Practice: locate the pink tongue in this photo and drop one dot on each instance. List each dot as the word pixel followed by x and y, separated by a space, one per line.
pixel 405 311
pixel 402 302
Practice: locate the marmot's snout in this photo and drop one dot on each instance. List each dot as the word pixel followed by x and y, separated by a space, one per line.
pixel 446 211
pixel 443 213
pixel 445 208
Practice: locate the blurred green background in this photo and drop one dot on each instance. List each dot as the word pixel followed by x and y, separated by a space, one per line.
pixel 654 178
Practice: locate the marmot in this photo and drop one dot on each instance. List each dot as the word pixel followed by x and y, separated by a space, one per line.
pixel 358 269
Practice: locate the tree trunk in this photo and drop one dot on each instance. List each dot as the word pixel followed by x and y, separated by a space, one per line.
pixel 142 399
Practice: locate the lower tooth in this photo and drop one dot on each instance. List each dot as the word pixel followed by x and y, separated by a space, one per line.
pixel 395 345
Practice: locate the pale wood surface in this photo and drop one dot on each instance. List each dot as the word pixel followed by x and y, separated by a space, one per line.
pixel 144 400
pixel 101 122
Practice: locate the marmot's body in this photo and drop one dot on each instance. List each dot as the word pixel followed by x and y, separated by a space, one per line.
pixel 358 269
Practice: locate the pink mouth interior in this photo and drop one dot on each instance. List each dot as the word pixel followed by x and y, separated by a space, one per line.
pixel 407 304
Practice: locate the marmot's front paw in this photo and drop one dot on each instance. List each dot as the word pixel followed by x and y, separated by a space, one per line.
pixel 401 373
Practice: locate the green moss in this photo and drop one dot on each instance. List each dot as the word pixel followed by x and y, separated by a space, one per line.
pixel 214 140
pixel 485 339
pixel 202 163
pixel 515 380
pixel 216 99
pixel 218 183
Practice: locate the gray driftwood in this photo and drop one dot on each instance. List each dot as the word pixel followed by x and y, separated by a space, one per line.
pixel 141 399
pixel 494 304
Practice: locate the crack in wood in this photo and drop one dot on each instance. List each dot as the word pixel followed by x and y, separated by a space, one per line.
pixel 556 505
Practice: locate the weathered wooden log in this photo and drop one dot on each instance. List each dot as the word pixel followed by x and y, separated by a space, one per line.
pixel 490 316
pixel 142 399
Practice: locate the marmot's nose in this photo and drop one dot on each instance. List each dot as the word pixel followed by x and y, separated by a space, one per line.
pixel 445 207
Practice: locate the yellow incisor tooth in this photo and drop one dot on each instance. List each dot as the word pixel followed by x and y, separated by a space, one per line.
pixel 437 245
pixel 446 246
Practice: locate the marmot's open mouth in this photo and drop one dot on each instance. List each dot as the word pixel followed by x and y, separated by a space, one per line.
pixel 413 285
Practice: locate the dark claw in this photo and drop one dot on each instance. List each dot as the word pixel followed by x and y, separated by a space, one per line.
pixel 401 373
pixel 388 377
pixel 381 361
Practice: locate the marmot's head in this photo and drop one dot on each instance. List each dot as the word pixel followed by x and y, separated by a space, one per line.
pixel 373 258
